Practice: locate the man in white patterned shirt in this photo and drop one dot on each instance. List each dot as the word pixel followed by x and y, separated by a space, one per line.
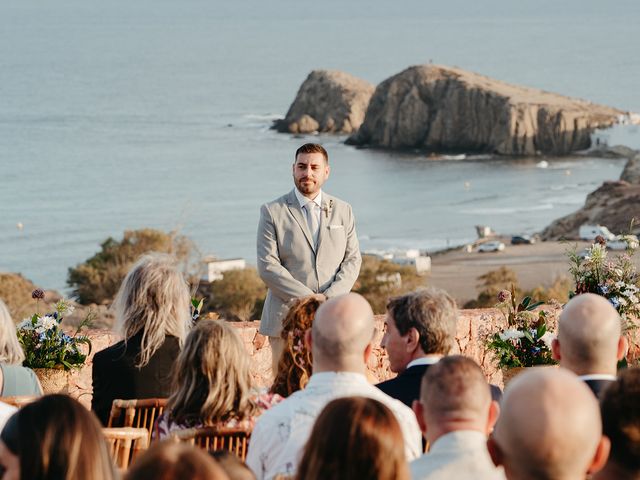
pixel 340 341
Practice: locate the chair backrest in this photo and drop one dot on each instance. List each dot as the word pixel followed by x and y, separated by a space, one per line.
pixel 235 440
pixel 136 413
pixel 20 400
pixel 125 444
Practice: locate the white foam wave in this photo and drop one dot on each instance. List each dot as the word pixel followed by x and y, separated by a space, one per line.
pixel 507 210
pixel 264 117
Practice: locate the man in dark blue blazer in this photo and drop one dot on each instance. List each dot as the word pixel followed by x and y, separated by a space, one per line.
pixel 420 330
pixel 590 341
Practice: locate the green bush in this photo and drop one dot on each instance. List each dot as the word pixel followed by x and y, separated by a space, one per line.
pixel 239 295
pixel 98 279
pixel 381 279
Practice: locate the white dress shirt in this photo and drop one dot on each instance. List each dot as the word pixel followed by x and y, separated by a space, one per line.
pixel 315 209
pixel 457 455
pixel 280 434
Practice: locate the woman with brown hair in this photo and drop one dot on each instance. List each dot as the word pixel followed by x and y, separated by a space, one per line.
pixel 294 366
pixel 54 438
pixel 355 437
pixel 212 383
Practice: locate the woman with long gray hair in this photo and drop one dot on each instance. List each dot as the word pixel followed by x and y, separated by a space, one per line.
pixel 152 311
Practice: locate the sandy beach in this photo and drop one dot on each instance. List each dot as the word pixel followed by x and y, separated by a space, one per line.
pixel 457 271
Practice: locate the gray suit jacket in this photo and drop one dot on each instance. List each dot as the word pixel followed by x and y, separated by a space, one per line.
pixel 288 263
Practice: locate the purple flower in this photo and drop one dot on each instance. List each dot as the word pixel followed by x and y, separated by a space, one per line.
pixel 504 295
pixel 37 294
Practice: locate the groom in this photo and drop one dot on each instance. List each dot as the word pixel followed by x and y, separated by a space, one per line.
pixel 307 244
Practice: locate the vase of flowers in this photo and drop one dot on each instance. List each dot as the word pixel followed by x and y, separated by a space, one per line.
pixel 526 342
pixel 49 351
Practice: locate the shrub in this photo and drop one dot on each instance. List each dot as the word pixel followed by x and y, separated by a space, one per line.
pixel 492 283
pixel 239 295
pixel 381 279
pixel 15 291
pixel 98 279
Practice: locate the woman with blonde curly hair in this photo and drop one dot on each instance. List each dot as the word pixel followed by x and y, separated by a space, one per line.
pixel 294 366
pixel 152 310
pixel 212 383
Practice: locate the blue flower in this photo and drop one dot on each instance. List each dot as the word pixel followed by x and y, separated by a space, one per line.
pixel 615 302
pixel 603 289
pixel 535 350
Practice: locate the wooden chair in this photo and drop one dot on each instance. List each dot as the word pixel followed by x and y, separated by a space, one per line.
pixel 136 413
pixel 235 440
pixel 125 444
pixel 20 400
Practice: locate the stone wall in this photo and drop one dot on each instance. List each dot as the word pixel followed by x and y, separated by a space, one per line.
pixel 472 325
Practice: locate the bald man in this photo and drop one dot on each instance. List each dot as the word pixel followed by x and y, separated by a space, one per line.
pixel 549 428
pixel 590 340
pixel 455 413
pixel 340 341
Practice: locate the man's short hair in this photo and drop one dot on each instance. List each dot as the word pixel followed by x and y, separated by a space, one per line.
pixel 432 312
pixel 455 387
pixel 620 407
pixel 312 148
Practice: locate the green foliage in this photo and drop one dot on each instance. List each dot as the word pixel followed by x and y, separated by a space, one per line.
pixel 381 279
pixel 45 345
pixel 98 279
pixel 239 295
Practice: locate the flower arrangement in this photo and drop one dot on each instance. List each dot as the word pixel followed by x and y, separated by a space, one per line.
pixel 526 342
pixel 44 343
pixel 615 279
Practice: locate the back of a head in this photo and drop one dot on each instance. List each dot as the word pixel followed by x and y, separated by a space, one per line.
pixel 294 366
pixel 153 300
pixel 10 349
pixel 454 390
pixel 354 437
pixel 235 468
pixel 175 461
pixel 211 379
pixel 432 312
pixel 342 330
pixel 620 406
pixel 549 427
pixel 56 438
pixel 589 329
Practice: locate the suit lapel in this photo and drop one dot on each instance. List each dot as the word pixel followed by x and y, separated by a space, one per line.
pixel 296 212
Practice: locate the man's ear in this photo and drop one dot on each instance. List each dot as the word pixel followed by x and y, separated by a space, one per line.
pixel 623 346
pixel 492 417
pixel 413 340
pixel 418 409
pixel 555 349
pixel 494 451
pixel 602 454
pixel 367 353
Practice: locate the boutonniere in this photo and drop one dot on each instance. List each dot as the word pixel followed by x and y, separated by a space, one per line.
pixel 327 209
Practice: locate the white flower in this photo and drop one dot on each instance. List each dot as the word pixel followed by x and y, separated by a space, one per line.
pixel 48 322
pixel 64 307
pixel 548 338
pixel 510 334
pixel 25 324
pixel 622 301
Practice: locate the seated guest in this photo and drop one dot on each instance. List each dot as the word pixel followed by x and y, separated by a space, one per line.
pixel 294 367
pixel 54 438
pixel 152 310
pixel 175 461
pixel 15 379
pixel 340 342
pixel 420 329
pixel 235 468
pixel 456 413
pixel 549 428
pixel 620 407
pixel 354 437
pixel 212 383
pixel 590 340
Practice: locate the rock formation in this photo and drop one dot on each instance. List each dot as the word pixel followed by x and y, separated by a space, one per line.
pixel 613 205
pixel 444 109
pixel 328 101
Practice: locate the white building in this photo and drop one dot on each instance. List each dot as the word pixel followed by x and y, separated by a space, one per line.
pixel 216 267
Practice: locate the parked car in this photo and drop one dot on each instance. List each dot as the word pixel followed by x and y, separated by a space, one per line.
pixel 522 240
pixel 493 246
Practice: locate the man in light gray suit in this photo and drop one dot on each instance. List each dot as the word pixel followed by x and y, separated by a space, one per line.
pixel 307 243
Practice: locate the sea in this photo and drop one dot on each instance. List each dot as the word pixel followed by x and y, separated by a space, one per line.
pixel 127 114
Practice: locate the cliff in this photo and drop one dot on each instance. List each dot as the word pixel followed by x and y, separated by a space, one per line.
pixel 443 109
pixel 327 101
